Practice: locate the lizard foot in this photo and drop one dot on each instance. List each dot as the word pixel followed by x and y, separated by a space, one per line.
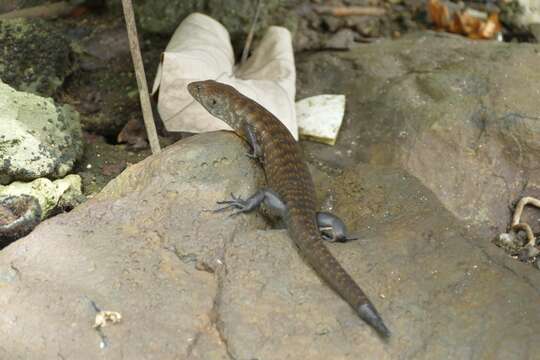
pixel 236 202
pixel 332 228
pixel 330 236
pixel 255 157
pixel 252 203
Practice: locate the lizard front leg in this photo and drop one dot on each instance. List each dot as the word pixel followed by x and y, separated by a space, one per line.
pixel 252 140
pixel 269 197
pixel 339 230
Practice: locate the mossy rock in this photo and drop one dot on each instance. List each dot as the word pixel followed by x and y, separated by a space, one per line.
pixel 34 56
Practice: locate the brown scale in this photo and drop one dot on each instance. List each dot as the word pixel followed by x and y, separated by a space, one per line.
pixel 288 176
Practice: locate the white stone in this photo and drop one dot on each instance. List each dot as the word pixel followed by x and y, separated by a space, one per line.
pixel 530 12
pixel 319 117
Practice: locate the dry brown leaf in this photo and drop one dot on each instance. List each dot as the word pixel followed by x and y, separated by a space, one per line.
pixel 439 14
pixel 462 21
pixel 491 27
pixel 134 134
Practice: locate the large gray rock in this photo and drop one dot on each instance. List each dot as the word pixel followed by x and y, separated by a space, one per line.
pixel 152 279
pixel 191 284
pixel 462 116
pixel 37 137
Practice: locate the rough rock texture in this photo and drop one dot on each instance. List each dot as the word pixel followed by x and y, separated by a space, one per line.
pixel 191 284
pixel 163 17
pixel 50 194
pixel 462 116
pixel 37 137
pixel 34 56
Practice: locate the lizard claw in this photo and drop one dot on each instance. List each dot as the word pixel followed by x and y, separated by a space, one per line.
pixel 255 157
pixel 236 202
pixel 234 198
pixel 236 212
pixel 252 155
pixel 346 238
pixel 222 208
pixel 333 238
pixel 326 237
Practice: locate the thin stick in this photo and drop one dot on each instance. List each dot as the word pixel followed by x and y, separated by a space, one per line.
pixel 350 10
pixel 141 77
pixel 249 39
pixel 521 205
pixel 516 225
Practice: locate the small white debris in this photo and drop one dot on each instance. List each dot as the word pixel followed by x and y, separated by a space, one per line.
pixel 105 317
pixel 89 166
pixel 319 117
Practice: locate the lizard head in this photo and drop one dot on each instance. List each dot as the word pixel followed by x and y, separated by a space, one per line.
pixel 212 95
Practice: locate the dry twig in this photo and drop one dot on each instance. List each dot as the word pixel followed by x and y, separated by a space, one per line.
pixel 249 38
pixel 349 10
pixel 516 225
pixel 141 77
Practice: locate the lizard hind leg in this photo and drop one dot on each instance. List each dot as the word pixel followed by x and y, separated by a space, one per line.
pixel 269 197
pixel 327 220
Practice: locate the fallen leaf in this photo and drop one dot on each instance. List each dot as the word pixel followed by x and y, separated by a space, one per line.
pixel 473 24
pixel 134 134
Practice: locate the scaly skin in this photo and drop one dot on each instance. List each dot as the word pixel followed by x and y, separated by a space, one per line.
pixel 288 176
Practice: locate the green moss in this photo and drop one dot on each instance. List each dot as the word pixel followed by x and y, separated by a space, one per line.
pixel 34 56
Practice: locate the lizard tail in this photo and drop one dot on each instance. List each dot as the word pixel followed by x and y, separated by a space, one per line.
pixel 328 268
pixel 368 313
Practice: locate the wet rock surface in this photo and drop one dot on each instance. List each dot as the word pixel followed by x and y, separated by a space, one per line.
pixel 447 110
pixel 197 285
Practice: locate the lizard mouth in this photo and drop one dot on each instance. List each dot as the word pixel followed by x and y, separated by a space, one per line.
pixel 194 89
